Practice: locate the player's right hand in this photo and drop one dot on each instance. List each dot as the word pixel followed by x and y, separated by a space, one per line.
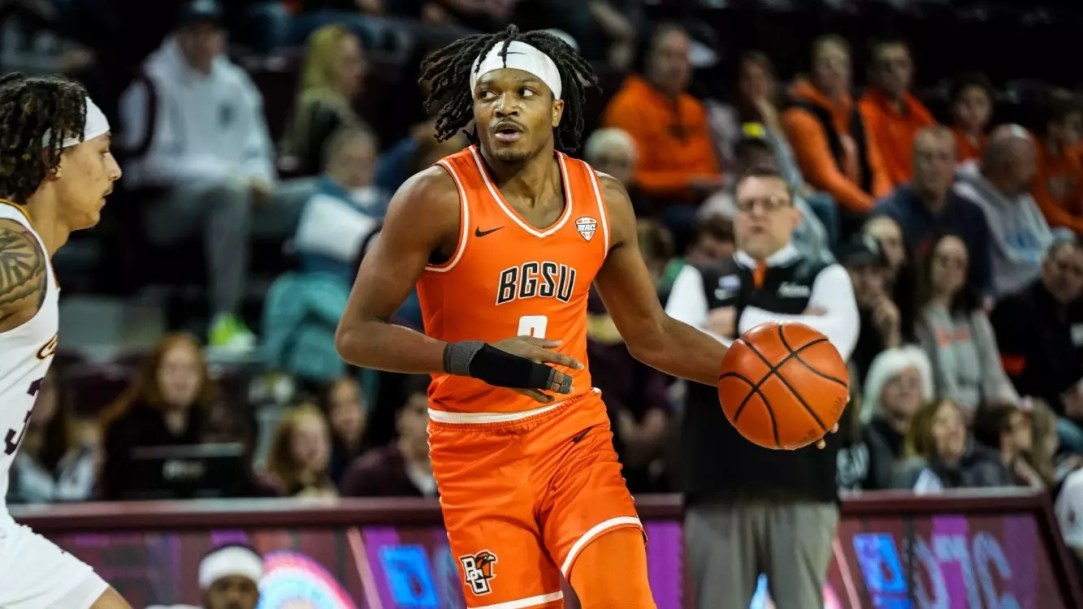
pixel 540 351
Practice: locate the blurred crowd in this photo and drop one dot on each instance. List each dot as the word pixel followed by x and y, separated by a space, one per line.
pixel 959 232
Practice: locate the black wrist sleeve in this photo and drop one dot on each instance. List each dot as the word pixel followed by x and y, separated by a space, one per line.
pixel 495 367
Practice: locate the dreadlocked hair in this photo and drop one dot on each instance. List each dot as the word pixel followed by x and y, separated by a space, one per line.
pixel 448 71
pixel 30 106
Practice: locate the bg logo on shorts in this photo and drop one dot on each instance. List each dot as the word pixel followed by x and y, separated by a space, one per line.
pixel 478 570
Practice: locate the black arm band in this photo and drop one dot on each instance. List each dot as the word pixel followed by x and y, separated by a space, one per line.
pixel 498 368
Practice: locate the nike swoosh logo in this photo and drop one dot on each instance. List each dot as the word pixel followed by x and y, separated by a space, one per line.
pixel 481 233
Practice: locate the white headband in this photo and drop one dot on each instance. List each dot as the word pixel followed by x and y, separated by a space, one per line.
pixel 231 560
pixel 96 124
pixel 521 56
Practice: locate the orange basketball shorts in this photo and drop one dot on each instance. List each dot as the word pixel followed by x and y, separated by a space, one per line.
pixel 521 499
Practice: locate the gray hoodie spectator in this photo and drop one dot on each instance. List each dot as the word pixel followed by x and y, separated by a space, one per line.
pixel 1000 186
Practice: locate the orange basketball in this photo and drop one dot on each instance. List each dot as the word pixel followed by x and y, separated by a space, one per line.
pixel 783 385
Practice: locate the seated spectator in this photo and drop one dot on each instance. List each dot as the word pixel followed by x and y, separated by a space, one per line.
pixel 757 101
pixel 755 150
pixel 299 459
pixel 941 454
pixel 900 380
pixel 402 468
pixel 891 113
pixel 343 404
pixel 612 151
pixel 676 165
pixel 332 77
pixel 57 458
pixel 901 276
pixel 972 98
pixel 1047 456
pixel 165 405
pixel 302 309
pixel 345 209
pixel 999 184
pixel 1006 429
pixel 829 137
pixel 711 242
pixel 196 131
pixel 956 333
pixel 1058 185
pixel 928 206
pixel 865 261
pixel 1039 329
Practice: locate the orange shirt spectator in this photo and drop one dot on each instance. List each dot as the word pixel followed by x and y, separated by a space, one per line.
pixel 967 147
pixel 892 115
pixel 674 140
pixel 856 177
pixel 971 109
pixel 1058 187
pixel 891 127
pixel 676 157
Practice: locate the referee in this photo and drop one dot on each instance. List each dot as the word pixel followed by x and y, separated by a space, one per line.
pixel 752 510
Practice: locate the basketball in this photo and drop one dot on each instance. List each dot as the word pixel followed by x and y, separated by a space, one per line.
pixel 783 385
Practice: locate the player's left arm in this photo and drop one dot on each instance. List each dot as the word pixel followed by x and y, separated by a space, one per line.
pixel 652 337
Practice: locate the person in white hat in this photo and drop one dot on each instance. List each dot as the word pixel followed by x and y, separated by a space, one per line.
pixel 229 578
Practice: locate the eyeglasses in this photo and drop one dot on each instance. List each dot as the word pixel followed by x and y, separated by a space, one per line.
pixel 768 204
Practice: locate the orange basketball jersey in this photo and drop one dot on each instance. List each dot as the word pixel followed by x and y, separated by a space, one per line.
pixel 509 278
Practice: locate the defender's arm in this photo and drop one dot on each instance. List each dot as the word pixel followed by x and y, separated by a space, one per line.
pixel 23 275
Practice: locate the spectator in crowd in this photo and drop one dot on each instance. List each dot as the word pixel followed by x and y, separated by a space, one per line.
pixel 1000 185
pixel 332 78
pixel 195 129
pixel 343 405
pixel 345 209
pixel 757 102
pixel 634 394
pixel 900 380
pixel 1058 185
pixel 302 308
pixel 1004 428
pixel 165 405
pixel 891 113
pixel 972 98
pixel 711 242
pixel 676 165
pixel 928 206
pixel 942 455
pixel 601 30
pixel 299 459
pixel 829 136
pixel 402 468
pixel 612 151
pixel 229 577
pixel 755 149
pixel 956 333
pixel 880 325
pixel 901 276
pixel 58 459
pixel 1047 458
pixel 1039 330
pixel 750 508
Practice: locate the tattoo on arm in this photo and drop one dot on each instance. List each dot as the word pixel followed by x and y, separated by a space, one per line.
pixel 22 266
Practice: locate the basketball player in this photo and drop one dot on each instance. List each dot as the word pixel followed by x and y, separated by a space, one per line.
pixel 55 172
pixel 504 240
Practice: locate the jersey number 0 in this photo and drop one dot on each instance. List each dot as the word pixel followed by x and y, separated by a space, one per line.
pixel 533 325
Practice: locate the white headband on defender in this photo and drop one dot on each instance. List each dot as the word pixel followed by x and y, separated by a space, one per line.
pixel 96 124
pixel 231 560
pixel 521 56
